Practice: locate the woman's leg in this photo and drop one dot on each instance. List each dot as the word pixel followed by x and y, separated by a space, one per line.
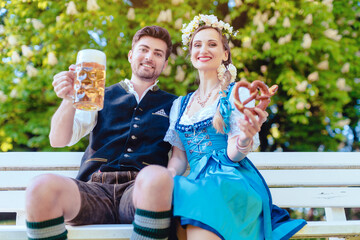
pixel 196 233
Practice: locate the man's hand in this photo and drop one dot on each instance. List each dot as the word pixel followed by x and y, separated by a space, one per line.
pixel 63 83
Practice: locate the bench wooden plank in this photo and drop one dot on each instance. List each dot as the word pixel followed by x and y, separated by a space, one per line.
pixel 18 180
pixel 123 231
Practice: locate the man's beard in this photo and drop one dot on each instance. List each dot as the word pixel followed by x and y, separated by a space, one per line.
pixel 145 75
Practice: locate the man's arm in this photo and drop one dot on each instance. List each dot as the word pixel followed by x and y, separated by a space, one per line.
pixel 62 121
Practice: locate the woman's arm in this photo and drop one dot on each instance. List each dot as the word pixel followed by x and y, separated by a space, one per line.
pixel 240 145
pixel 178 162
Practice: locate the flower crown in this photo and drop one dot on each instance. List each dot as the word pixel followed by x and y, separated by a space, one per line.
pixel 205 20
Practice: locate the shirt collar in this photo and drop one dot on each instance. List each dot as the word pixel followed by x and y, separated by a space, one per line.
pixel 129 87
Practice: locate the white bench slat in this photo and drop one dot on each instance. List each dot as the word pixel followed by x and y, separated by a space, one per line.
pixel 17 180
pixel 263 160
pixel 312 177
pixel 13 201
pixel 316 197
pixel 123 231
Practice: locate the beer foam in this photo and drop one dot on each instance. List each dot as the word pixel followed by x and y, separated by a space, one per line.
pixel 91 55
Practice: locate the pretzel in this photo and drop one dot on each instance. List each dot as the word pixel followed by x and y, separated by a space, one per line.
pixel 263 98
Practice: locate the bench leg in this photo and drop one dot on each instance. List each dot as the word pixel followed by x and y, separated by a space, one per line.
pixel 335 214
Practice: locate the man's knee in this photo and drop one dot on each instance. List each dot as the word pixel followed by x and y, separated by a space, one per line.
pixel 154 178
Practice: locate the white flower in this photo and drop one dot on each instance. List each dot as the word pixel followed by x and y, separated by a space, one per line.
pixel 165 16
pixel 3 97
pixel 300 106
pixel 2 29
pixel 308 19
pixel 263 68
pixel 332 34
pixel 343 123
pixel 345 68
pixel 179 51
pixel 257 18
pixel 37 24
pixel 13 93
pixel 168 16
pixel 357 54
pixel 266 46
pixel 238 3
pixel 341 85
pixel 277 14
pixel 16 80
pixel 302 86
pixel 284 40
pixel 272 21
pixel 264 17
pixel 286 23
pixel 52 60
pixel 246 42
pixel 26 51
pixel 91 5
pixel 12 40
pixel 306 43
pixel 323 65
pixel 260 28
pixel 354 35
pixel 313 77
pixel 71 9
pixel 31 71
pixel 15 57
pixel 178 23
pixel 131 14
pixel 167 70
pixel 180 74
pixel 176 2
pixel 329 4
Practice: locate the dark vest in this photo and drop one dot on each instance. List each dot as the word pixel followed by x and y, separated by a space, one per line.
pixel 128 135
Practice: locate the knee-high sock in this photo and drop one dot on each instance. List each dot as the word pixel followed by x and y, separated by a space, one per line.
pixel 53 229
pixel 150 225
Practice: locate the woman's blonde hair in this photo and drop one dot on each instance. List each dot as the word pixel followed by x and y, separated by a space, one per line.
pixel 218 121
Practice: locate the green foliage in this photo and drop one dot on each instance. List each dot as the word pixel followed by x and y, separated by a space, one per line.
pixel 305 114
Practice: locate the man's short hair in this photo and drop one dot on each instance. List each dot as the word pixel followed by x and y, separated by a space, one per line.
pixel 155 32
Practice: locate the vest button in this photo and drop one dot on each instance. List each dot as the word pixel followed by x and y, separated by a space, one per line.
pixel 126 155
pixel 135 126
pixel 129 150
pixel 133 137
pixel 136 118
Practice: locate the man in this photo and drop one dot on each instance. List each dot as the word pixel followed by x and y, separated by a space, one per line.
pixel 125 136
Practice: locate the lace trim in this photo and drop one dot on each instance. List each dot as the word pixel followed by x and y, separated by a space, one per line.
pixel 173 138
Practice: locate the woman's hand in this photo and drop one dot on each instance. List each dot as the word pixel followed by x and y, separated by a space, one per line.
pixel 251 125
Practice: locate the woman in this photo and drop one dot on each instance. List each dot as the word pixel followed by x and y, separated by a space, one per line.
pixel 224 196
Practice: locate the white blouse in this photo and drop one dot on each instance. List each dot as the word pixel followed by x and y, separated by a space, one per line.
pixel 173 137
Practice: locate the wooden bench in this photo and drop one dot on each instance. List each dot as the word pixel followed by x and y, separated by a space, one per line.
pixel 329 180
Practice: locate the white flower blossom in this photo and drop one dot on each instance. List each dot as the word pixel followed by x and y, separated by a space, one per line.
pixel 272 21
pixel 329 4
pixel 263 69
pixel 357 54
pixel 264 17
pixel 52 60
pixel 306 43
pixel 341 85
pixel 2 29
pixel 286 23
pixel 71 9
pixel 16 80
pixel 238 3
pixel 13 93
pixel 167 71
pixel 308 19
pixel 266 46
pixel 165 16
pixel 92 5
pixel 323 65
pixel 345 68
pixel 131 14
pixel 180 74
pixel 26 51
pixel 277 14
pixel 302 86
pixel 178 23
pixel 343 123
pixel 313 77
pixel 354 35
pixel 37 24
pixel 325 24
pixel 284 40
pixel 3 97
pixel 15 57
pixel 31 71
pixel 246 42
pixel 332 34
pixel 12 40
pixel 300 106
pixel 257 18
pixel 179 51
pixel 176 2
pixel 260 28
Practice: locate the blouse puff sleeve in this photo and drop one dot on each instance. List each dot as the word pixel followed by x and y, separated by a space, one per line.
pixel 244 93
pixel 171 135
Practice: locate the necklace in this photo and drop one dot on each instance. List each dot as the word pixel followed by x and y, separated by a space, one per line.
pixel 203 103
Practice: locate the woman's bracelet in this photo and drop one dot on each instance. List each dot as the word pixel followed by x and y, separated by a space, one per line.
pixel 244 150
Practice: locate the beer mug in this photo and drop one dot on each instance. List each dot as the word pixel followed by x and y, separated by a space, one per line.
pixel 89 84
